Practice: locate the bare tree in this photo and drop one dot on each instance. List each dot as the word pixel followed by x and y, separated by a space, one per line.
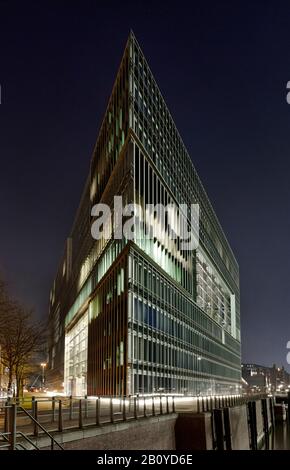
pixel 21 338
pixel 3 304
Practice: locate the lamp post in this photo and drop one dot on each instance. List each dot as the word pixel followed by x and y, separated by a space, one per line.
pixel 43 365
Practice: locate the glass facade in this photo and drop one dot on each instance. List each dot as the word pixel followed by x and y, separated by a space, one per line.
pixel 174 346
pixel 158 318
pixel 76 351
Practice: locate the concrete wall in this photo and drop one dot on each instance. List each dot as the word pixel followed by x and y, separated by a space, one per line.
pixel 150 433
pixel 239 428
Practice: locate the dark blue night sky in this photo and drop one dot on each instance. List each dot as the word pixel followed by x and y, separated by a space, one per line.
pixel 222 68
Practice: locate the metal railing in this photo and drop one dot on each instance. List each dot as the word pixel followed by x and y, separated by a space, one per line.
pixel 17 445
pixel 36 417
pixel 10 434
pixel 211 403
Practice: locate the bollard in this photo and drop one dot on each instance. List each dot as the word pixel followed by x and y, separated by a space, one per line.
pixel 135 408
pixel 53 409
pixel 111 410
pixel 161 409
pixel 167 405
pixel 153 407
pixel 60 424
pixel 80 414
pixel 98 411
pixel 173 404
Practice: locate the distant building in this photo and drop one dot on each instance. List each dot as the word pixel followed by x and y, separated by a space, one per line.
pixel 265 379
pixel 144 316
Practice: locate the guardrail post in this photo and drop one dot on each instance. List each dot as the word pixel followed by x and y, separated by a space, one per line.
pixel 6 415
pixel 130 403
pixel 53 409
pixel 111 410
pixel 80 414
pixel 70 407
pixel 98 403
pixel 60 423
pixel 35 415
pixel 197 405
pixel 86 406
pixel 13 416
pixel 135 408
pixel 124 409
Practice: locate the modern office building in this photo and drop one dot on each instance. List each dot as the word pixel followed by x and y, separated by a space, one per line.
pixel 144 315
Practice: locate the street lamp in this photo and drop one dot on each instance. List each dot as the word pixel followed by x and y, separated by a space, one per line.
pixel 43 365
